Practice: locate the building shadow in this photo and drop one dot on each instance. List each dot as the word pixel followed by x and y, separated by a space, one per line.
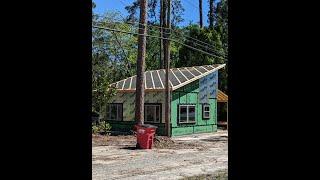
pixel 216 139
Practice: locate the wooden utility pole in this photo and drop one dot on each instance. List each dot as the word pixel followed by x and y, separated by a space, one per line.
pixel 167 66
pixel 211 13
pixel 162 18
pixel 200 13
pixel 139 108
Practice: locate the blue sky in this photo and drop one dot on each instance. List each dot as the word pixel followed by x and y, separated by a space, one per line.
pixel 191 12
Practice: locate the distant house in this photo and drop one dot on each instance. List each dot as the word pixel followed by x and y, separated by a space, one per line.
pixel 193 100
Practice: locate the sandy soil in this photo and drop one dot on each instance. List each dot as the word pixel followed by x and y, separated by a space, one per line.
pixel 200 156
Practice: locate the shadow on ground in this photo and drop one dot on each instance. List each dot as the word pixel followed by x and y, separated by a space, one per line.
pixel 130 148
pixel 215 139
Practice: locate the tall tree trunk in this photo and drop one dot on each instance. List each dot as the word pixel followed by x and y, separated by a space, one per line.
pixel 139 109
pixel 167 65
pixel 200 13
pixel 211 14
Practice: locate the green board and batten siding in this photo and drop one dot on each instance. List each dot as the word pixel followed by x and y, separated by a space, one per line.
pixel 199 92
pixel 188 94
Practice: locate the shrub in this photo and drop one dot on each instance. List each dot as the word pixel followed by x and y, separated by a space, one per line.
pixel 101 128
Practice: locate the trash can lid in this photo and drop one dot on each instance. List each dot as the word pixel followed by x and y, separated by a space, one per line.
pixel 148 126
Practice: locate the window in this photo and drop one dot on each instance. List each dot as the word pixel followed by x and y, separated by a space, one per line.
pixel 187 113
pixel 114 112
pixel 152 113
pixel 206 111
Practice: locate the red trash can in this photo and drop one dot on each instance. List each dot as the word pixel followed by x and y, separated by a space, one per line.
pixel 145 135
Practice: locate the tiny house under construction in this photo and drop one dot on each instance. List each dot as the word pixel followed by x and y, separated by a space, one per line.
pixel 193 100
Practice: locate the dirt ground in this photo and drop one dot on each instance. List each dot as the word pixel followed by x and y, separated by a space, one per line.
pixel 198 156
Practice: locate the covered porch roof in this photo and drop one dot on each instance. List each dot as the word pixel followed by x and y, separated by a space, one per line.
pixel 222 97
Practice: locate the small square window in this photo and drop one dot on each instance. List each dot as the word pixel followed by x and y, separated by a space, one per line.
pixel 206 111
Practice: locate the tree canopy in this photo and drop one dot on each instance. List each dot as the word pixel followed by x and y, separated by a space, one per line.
pixel 114 54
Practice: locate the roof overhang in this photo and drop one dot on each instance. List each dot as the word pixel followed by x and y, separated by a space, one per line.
pixel 175 73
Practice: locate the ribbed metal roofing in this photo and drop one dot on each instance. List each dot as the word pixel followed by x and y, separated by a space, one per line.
pixel 178 77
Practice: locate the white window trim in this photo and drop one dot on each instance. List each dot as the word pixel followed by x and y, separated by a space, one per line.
pixel 155 113
pixel 117 115
pixel 187 105
pixel 204 111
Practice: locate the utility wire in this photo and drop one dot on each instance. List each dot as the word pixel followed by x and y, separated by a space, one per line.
pixel 206 47
pixel 174 30
pixel 167 33
pixel 178 37
pixel 174 40
pixel 170 28
pixel 159 27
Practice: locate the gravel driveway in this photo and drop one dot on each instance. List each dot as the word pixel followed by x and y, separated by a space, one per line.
pixel 208 156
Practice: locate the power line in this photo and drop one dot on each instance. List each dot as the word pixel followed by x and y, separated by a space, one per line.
pixel 179 39
pixel 131 24
pixel 170 33
pixel 174 30
pixel 174 40
pixel 170 28
pixel 173 34
pixel 123 3
pixel 162 38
